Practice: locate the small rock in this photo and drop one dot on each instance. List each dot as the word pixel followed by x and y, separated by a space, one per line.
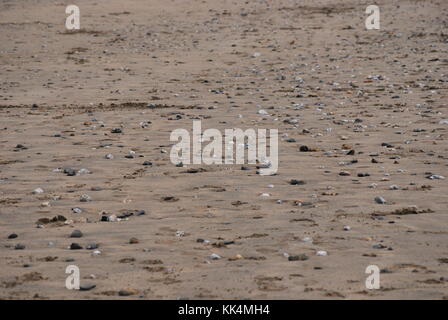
pixel 12 236
pixel 85 198
pixel 38 191
pixel 300 257
pixel 127 292
pixel 380 200
pixel 76 234
pixel 75 246
pixel 19 246
pixel 214 256
pixel 87 287
pixel 133 241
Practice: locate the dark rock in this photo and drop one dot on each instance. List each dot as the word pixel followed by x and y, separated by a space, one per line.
pixel 87 287
pixel 300 257
pixel 75 246
pixel 12 236
pixel 76 234
pixel 296 182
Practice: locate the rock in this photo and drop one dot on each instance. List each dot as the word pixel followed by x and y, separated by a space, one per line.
pixel 321 253
pixel 76 210
pixel 76 234
pixel 394 187
pixel 116 130
pixel 87 287
pixel 296 182
pixel 300 257
pixel 70 172
pixel 304 149
pixel 96 189
pixel 127 292
pixel 12 236
pixel 92 246
pixel 214 256
pixel 85 198
pixel 133 241
pixel 38 191
pixel 83 171
pixel 19 246
pixel 147 163
pixel 75 246
pixel 109 156
pixel 380 200
pixel 435 176
pixel 347 228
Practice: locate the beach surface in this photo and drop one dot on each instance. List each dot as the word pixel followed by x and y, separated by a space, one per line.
pixel 362 119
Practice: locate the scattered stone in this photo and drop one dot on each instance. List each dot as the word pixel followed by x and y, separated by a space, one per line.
pixel 300 257
pixel 70 172
pixel 380 200
pixel 19 246
pixel 38 191
pixel 85 198
pixel 116 130
pixel 214 256
pixel 75 246
pixel 296 182
pixel 76 234
pixel 87 287
pixel 133 241
pixel 12 236
pixel 127 292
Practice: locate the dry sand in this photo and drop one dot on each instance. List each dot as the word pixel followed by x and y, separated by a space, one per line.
pixel 310 61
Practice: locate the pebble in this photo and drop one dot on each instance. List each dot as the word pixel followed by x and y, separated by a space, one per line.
pixel 87 287
pixel 85 198
pixel 75 246
pixel 435 176
pixel 19 246
pixel 347 228
pixel 70 172
pixel 296 182
pixel 133 241
pixel 76 210
pixel 214 256
pixel 380 200
pixel 109 156
pixel 92 246
pixel 116 130
pixel 76 234
pixel 127 292
pixel 300 257
pixel 38 191
pixel 12 236
pixel 321 253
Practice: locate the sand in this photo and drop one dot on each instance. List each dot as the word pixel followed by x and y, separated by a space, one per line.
pixel 324 81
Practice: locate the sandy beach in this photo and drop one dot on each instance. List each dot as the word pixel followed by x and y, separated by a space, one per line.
pixel 86 177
